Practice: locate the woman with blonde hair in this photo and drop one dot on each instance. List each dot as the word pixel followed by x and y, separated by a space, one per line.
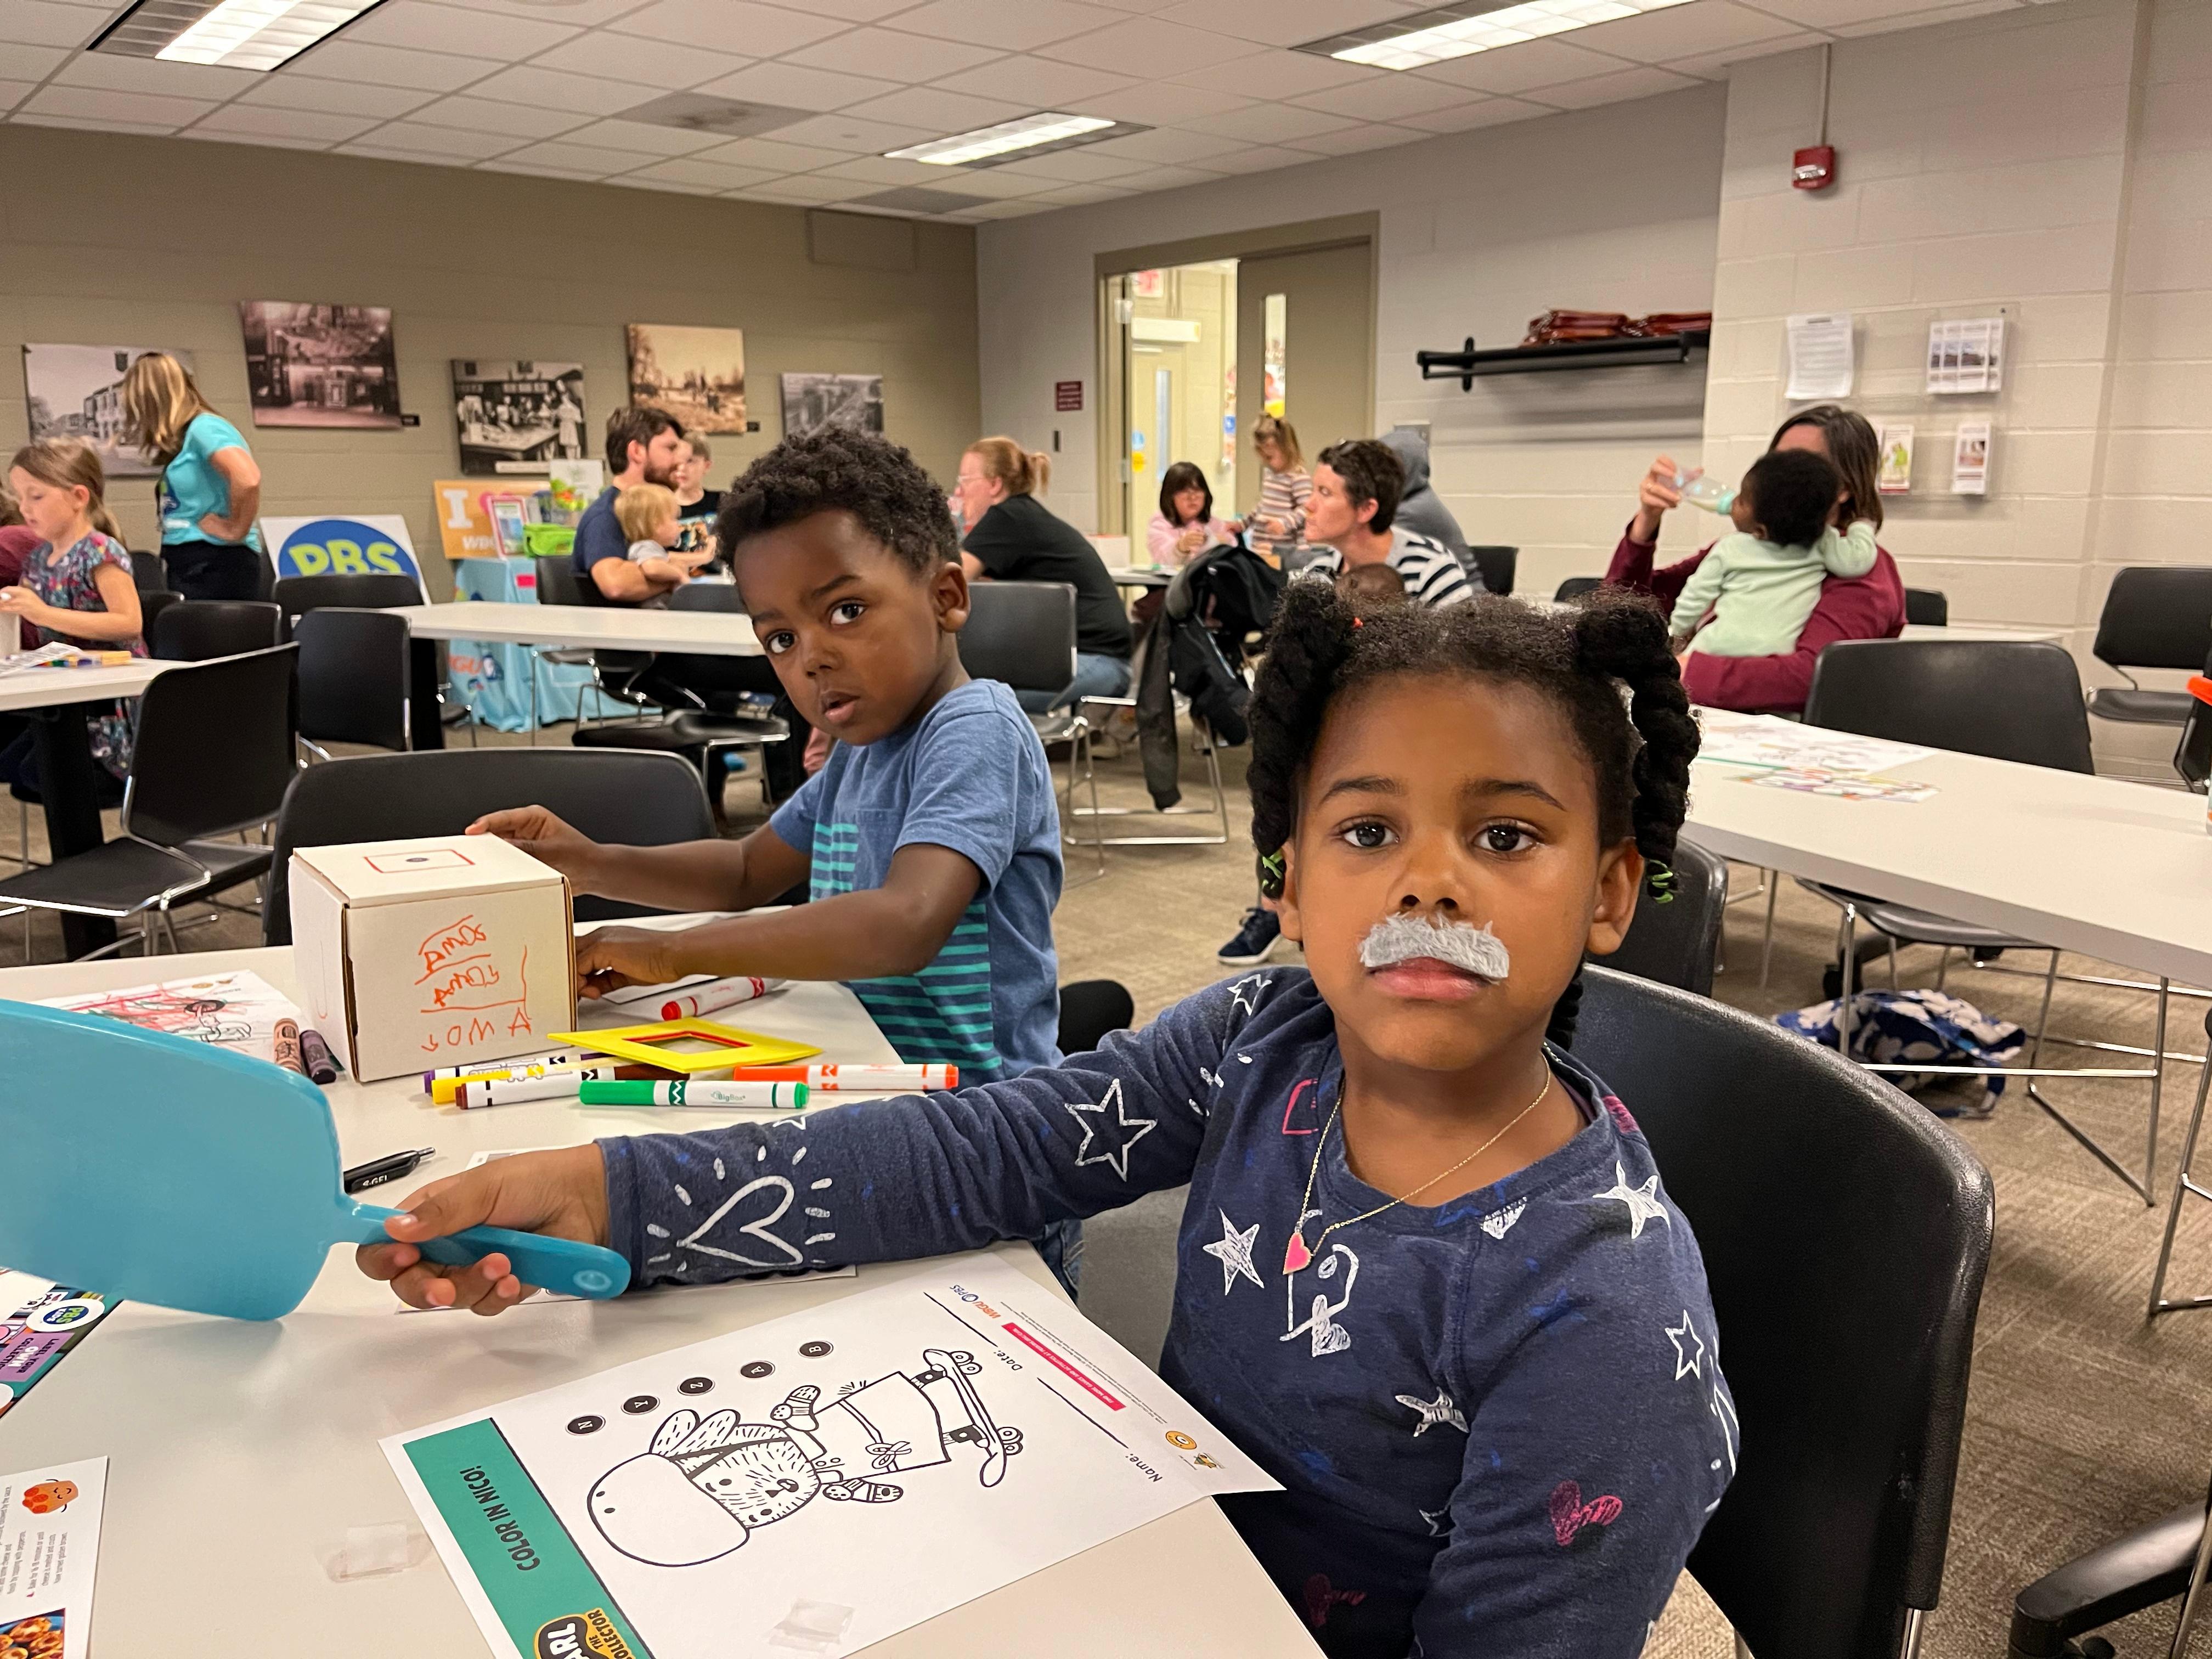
pixel 211 490
pixel 1011 537
pixel 1279 523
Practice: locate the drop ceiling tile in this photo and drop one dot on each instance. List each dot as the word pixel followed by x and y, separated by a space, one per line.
pixel 283 90
pixel 586 158
pixel 29 118
pixel 1282 22
pixel 440 144
pixel 1168 144
pixel 738 26
pixel 910 57
pixel 812 188
pixel 774 155
pixel 942 112
pixel 1268 123
pixel 1008 25
pixel 490 115
pixel 859 11
pixel 34 63
pixel 1660 37
pixel 1615 88
pixel 1000 211
pixel 1167 178
pixel 555 89
pixel 1487 113
pixel 1262 158
pixel 342 59
pixel 657 69
pixel 1080 195
pixel 430 28
pixel 881 170
pixel 1144 46
pixel 1036 82
pixel 148 75
pixel 667 186
pixel 1916 20
pixel 260 123
pixel 13 93
pixel 642 138
pixel 1075 165
pixel 993 184
pixel 1283 73
pixel 1518 67
pixel 259 141
pixel 1837 14
pixel 797 87
pixel 97 104
pixel 1386 99
pixel 42 23
pixel 1158 105
pixel 1714 65
pixel 854 134
pixel 704 175
pixel 587 14
pixel 526 169
pixel 1350 141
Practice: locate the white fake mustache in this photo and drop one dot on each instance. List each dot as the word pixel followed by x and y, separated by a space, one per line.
pixel 1463 944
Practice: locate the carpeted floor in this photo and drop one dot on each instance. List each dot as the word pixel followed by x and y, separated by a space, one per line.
pixel 2082 1420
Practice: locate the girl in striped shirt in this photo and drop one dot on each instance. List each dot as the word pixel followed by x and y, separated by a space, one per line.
pixel 1278 524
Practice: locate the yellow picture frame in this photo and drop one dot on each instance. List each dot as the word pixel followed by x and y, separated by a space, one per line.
pixel 641 1045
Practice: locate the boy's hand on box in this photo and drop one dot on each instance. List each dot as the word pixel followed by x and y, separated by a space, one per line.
pixel 608 958
pixel 560 1193
pixel 544 838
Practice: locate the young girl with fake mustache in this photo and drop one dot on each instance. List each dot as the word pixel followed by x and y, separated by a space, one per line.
pixel 1428 1276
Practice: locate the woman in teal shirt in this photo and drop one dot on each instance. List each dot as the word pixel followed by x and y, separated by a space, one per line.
pixel 211 489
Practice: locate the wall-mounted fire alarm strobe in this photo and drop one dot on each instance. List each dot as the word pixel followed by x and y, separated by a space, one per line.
pixel 1814 168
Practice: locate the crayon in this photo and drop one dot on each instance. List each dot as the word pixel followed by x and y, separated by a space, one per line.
pixel 693 1091
pixel 287 1046
pixel 315 1053
pixel 717 994
pixel 867 1079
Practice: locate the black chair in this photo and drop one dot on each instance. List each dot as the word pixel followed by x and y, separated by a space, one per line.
pixel 2154 616
pixel 721 597
pixel 214 756
pixel 1023 633
pixel 1575 587
pixel 1927 607
pixel 1497 565
pixel 639 800
pixel 1089 1009
pixel 295 595
pixel 198 629
pixel 1677 943
pixel 1845 1337
pixel 148 573
pixel 353 680
pixel 151 604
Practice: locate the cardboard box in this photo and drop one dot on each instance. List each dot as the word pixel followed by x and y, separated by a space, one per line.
pixel 440 950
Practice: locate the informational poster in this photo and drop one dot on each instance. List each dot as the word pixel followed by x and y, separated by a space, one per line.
pixel 466 527
pixel 40 1323
pixel 1970 460
pixel 1820 357
pixel 814 1484
pixel 373 544
pixel 49 1552
pixel 1893 471
pixel 1967 355
pixel 514 416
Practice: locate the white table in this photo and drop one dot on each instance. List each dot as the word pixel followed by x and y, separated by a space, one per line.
pixel 53 687
pixel 1139 576
pixel 610 627
pixel 1975 631
pixel 241 1453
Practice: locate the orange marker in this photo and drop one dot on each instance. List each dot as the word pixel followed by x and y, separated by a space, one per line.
pixel 860 1079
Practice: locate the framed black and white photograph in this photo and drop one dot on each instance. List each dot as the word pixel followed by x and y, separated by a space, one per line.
pixel 76 391
pixel 696 375
pixel 517 417
pixel 316 365
pixel 812 402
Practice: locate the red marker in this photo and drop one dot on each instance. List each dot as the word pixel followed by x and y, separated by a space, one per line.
pixel 858 1080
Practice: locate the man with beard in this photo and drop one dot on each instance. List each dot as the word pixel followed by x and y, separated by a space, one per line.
pixel 644 446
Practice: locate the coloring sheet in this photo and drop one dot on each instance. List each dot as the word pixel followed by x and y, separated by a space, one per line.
pixel 1811 781
pixel 39 1321
pixel 1766 740
pixel 49 1548
pixel 231 1011
pixel 812 1485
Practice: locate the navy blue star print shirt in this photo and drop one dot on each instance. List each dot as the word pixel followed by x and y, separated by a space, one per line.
pixel 1500 1423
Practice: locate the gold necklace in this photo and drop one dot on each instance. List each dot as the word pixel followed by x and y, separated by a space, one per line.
pixel 1296 1256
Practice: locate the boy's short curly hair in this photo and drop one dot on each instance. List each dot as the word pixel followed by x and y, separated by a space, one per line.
pixel 863 473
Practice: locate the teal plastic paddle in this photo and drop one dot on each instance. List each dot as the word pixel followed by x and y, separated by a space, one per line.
pixel 155 1169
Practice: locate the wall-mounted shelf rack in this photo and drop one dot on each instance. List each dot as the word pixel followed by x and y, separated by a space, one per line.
pixel 1465 364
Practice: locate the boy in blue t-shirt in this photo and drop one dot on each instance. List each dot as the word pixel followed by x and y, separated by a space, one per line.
pixel 930 841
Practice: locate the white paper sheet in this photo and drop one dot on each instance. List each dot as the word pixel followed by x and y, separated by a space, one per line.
pixel 814 1484
pixel 1970 460
pixel 49 1551
pixel 1772 743
pixel 228 1010
pixel 1820 357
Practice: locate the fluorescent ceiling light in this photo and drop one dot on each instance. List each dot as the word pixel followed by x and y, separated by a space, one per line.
pixel 251 34
pixel 1459 31
pixel 1030 132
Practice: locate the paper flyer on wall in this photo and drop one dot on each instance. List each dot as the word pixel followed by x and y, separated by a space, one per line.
pixel 49 1550
pixel 812 1485
pixel 1820 357
pixel 40 1323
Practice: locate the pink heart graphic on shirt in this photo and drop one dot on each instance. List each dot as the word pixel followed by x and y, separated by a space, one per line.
pixel 1322 1596
pixel 1570 1515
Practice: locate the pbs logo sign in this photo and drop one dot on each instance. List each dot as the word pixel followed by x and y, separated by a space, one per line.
pixel 344 547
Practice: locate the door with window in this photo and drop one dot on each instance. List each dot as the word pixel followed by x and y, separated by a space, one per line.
pixel 1304 330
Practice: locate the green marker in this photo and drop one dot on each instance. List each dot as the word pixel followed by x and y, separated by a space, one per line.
pixel 690 1091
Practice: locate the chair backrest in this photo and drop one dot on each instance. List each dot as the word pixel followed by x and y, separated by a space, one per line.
pixel 295 595
pixel 1575 587
pixel 353 676
pixel 1022 633
pixel 1497 565
pixel 623 795
pixel 1089 1009
pixel 200 628
pixel 719 596
pixel 1676 943
pixel 1927 607
pixel 152 602
pixel 1846 1316
pixel 558 582
pixel 2157 617
pixel 214 752
pixel 147 573
pixel 2008 699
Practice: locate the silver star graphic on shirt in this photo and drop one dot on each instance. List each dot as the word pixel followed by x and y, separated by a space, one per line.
pixel 1234 1252
pixel 1643 1207
pixel 1115 1156
pixel 1433 1411
pixel 1439 1521
pixel 1689 1349
pixel 1245 993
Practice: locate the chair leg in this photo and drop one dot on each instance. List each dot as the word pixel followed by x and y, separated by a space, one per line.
pixel 1766 946
pixel 1942 966
pixel 2043 1017
pixel 2157 1084
pixel 1742 1647
pixel 1908 1646
pixel 1847 931
pixel 1893 963
pixel 1090 776
pixel 2184 1185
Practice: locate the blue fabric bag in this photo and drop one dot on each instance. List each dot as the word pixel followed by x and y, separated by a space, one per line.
pixel 1895 1028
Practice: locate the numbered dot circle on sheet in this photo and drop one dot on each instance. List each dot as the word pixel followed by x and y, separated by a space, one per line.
pixel 586 1425
pixel 697 1384
pixel 638 1404
pixel 757 1369
pixel 816 1350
